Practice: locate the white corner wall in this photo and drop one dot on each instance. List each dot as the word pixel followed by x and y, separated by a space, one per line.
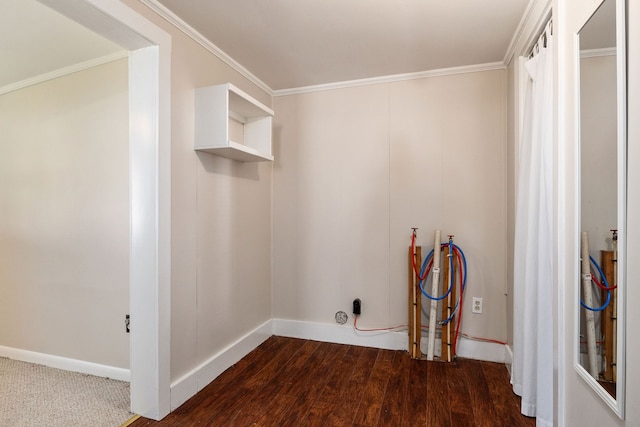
pixel 64 234
pixel 357 167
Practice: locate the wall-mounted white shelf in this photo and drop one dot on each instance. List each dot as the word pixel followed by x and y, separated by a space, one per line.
pixel 230 123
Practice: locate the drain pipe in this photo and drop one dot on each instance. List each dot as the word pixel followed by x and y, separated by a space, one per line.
pixel 434 291
pixel 587 294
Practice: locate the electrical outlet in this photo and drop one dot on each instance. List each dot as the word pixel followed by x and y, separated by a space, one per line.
pixel 357 306
pixel 477 305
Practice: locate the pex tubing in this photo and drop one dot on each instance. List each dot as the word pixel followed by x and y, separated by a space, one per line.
pixel 430 268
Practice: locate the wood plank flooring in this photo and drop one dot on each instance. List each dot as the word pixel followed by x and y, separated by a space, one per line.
pixel 293 382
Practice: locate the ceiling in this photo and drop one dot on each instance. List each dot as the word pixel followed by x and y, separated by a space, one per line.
pixel 287 43
pixel 298 43
pixel 35 40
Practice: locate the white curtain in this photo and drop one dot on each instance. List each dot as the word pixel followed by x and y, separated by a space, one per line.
pixel 532 369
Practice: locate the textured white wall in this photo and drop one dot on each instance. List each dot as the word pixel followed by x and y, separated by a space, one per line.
pixel 64 233
pixel 356 168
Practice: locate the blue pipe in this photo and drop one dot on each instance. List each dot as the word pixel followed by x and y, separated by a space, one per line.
pixel 602 276
pixel 602 307
pixel 425 263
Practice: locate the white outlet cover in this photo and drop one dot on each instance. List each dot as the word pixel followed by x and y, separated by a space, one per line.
pixel 477 305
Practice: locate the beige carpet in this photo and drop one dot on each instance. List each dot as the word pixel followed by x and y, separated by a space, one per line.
pixel 35 395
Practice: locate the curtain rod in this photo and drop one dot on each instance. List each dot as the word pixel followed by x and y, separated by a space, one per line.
pixel 542 38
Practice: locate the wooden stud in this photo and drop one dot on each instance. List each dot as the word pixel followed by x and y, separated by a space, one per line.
pixel 448 304
pixel 415 306
pixel 607 315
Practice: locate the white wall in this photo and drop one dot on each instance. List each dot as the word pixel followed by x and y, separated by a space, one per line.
pixel 356 168
pixel 64 232
pixel 582 406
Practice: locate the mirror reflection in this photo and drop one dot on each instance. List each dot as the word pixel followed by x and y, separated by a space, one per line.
pixel 599 197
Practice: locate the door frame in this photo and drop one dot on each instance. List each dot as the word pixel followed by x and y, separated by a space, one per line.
pixel 149 191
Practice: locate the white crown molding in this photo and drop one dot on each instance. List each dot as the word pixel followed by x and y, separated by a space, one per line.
pixel 63 72
pixel 187 29
pixel 517 35
pixel 593 53
pixel 393 78
pixel 533 19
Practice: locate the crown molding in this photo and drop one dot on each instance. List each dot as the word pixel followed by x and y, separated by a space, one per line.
pixel 63 72
pixel 531 24
pixel 393 78
pixel 187 29
pixel 592 53
pixel 534 17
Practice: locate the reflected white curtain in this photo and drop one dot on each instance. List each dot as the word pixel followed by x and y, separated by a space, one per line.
pixel 532 369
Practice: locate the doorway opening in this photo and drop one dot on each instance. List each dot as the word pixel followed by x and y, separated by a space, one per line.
pixel 149 50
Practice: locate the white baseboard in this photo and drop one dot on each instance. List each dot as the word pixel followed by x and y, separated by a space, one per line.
pixel 480 350
pixel 65 363
pixel 508 355
pixel 195 380
pixel 471 349
pixel 340 334
pixel 343 334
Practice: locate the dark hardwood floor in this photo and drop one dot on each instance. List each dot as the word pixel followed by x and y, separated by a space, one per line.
pixel 293 382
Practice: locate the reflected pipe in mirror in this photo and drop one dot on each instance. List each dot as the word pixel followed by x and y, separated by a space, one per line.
pixel 599 354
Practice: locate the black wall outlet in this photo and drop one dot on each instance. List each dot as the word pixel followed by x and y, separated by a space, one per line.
pixel 357 306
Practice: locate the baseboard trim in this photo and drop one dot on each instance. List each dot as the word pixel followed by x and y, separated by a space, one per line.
pixel 196 379
pixel 481 350
pixel 66 363
pixel 340 334
pixel 508 355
